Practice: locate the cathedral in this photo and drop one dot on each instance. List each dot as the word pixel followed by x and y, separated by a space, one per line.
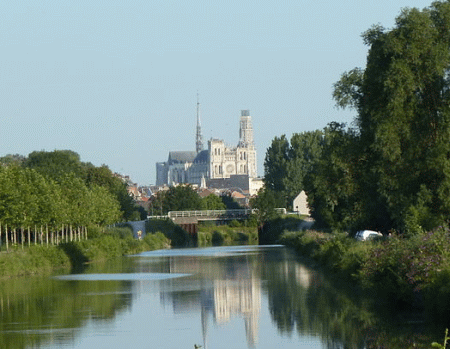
pixel 219 166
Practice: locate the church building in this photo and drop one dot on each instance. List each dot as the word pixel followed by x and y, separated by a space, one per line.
pixel 220 166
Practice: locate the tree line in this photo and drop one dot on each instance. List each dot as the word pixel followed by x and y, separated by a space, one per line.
pixel 49 196
pixel 391 169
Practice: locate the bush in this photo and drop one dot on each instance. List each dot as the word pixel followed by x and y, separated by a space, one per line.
pixel 177 236
pixel 217 238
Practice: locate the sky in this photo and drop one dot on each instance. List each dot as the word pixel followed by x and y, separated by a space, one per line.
pixel 116 81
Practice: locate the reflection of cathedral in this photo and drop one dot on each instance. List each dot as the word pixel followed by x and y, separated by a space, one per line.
pixel 219 163
pixel 239 293
pixel 242 296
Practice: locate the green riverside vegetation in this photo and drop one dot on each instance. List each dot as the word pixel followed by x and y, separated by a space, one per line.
pixel 40 259
pixel 403 273
pixel 231 234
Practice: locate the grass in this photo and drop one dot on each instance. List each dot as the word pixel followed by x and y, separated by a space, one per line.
pixel 42 259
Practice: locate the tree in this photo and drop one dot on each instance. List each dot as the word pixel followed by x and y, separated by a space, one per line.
pixel 213 202
pixel 304 152
pixel 179 198
pixel 403 104
pixel 55 164
pixel 265 203
pixel 332 182
pixel 276 167
pixel 103 176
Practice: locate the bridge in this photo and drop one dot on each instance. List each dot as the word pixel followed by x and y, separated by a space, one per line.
pixel 188 220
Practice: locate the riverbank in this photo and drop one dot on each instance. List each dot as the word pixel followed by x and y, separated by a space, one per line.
pixel 406 273
pixel 42 259
pixel 223 235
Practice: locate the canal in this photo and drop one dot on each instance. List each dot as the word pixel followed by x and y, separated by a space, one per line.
pixel 218 297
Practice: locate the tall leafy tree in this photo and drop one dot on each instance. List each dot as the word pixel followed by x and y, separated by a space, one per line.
pixel 103 176
pixel 332 181
pixel 275 164
pixel 403 104
pixel 304 152
pixel 55 164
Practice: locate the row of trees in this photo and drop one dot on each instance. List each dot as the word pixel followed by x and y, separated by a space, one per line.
pixel 392 169
pixel 53 190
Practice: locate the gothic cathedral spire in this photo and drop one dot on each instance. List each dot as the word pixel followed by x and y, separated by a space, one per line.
pixel 198 137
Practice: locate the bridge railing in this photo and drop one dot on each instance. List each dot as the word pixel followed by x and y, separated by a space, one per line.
pixel 210 213
pixel 217 213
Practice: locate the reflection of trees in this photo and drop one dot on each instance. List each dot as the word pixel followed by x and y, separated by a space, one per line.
pixel 302 300
pixel 306 301
pixel 34 311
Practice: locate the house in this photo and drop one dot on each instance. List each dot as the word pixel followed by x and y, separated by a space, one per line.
pixel 300 204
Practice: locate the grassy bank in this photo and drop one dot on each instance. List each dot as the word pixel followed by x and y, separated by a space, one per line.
pixel 43 259
pixel 219 235
pixel 408 273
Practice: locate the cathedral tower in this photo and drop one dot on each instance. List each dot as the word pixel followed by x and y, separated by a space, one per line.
pixel 246 144
pixel 245 129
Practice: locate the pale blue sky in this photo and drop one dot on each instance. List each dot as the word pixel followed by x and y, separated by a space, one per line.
pixel 116 81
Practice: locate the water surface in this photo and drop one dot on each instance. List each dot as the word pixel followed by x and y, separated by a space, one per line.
pixel 221 297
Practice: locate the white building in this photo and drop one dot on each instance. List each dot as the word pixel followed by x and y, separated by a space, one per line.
pixel 220 163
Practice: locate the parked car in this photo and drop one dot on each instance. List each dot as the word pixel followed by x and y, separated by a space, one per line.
pixel 363 235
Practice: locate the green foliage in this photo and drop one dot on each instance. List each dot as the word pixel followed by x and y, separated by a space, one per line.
pixel 103 177
pixel 402 100
pixel 213 202
pixel 273 228
pixel 392 170
pixel 226 235
pixel 179 198
pixel 230 203
pixel 275 164
pixel 55 164
pixel 287 164
pixel 34 260
pixel 178 237
pixel 265 204
pixel 442 346
pixel 234 223
pixel 333 189
pixel 55 188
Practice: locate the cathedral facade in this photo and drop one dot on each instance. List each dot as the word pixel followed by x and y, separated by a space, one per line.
pixel 218 165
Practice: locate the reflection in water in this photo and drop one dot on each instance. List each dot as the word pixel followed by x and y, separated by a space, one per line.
pixel 229 297
pixel 235 290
